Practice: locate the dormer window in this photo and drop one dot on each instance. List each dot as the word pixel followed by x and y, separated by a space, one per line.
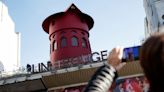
pixel 74 41
pixel 84 43
pixel 63 42
pixel 54 46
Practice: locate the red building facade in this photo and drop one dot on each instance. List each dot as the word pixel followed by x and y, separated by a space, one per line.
pixel 68 33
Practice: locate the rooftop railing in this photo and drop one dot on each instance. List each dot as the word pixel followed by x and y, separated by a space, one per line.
pixel 41 68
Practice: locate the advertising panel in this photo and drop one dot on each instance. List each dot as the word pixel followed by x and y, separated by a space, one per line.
pixel 131 84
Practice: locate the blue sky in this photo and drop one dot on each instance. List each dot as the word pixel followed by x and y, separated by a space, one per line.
pixel 116 22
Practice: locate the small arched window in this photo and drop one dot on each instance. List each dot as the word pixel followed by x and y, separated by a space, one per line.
pixel 63 42
pixel 84 43
pixel 54 46
pixel 74 41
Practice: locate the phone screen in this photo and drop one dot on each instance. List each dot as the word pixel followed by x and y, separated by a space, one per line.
pixel 131 54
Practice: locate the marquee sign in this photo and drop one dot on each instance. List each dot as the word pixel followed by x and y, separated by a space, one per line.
pixel 70 62
pixel 129 54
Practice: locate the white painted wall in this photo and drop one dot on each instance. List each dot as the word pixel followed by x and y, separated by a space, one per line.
pixel 160 11
pixel 9 41
pixel 154 10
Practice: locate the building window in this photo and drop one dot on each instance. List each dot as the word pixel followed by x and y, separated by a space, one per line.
pixel 54 46
pixel 74 41
pixel 63 42
pixel 162 16
pixel 84 43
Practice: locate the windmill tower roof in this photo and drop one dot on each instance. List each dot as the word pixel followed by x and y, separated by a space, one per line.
pixel 72 8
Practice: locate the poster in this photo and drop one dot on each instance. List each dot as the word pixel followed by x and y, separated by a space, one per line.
pixel 131 84
pixel 71 89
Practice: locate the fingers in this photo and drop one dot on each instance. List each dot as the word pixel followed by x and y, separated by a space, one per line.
pixel 115 57
pixel 118 51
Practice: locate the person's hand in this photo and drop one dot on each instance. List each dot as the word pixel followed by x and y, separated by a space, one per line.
pixel 114 58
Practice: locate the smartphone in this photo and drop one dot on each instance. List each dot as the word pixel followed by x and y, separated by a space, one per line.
pixel 131 54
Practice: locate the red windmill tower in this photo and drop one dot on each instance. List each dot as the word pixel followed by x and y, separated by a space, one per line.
pixel 68 33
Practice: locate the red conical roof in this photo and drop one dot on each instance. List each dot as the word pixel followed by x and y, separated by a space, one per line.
pixel 72 8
